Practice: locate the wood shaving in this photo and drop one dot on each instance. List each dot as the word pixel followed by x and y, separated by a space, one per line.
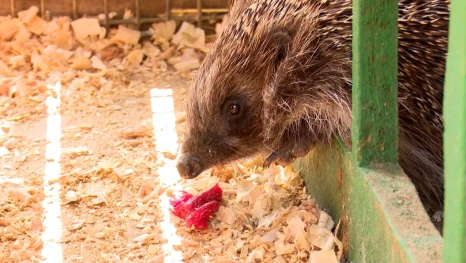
pixel 127 36
pixel 85 27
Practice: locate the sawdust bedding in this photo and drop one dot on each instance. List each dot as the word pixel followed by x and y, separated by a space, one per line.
pixel 111 188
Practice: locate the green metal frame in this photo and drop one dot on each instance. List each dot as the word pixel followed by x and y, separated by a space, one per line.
pixel 382 218
pixel 455 137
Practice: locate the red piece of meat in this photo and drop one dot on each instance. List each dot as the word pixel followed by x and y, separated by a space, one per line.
pixel 200 217
pixel 196 210
pixel 177 199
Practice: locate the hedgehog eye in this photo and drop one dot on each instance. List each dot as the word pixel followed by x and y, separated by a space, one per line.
pixel 234 108
pixel 234 113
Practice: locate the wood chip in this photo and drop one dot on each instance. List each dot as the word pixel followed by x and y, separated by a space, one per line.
pixel 5 71
pixel 187 65
pixel 134 59
pixel 327 256
pixel 150 50
pixel 226 215
pixel 23 35
pixel 164 31
pixel 126 35
pixel 27 16
pixel 9 28
pixel 81 63
pixel 85 27
pixel 64 40
pixel 190 36
pixel 37 25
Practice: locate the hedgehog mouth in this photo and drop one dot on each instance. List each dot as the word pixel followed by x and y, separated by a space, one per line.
pixel 192 163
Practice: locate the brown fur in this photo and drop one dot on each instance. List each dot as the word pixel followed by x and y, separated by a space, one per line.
pixel 289 61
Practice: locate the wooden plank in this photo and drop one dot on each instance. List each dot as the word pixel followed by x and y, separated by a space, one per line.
pixel 148 8
pixel 455 137
pixel 375 107
pixel 5 8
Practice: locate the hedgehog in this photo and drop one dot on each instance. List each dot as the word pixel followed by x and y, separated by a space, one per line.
pixel 277 82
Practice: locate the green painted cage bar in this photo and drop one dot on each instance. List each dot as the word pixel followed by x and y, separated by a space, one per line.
pixel 375 170
pixel 365 188
pixel 375 63
pixel 455 137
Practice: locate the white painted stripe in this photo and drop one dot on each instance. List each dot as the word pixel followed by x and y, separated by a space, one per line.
pixel 163 117
pixel 52 250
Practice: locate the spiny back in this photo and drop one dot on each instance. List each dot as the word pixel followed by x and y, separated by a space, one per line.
pixel 321 33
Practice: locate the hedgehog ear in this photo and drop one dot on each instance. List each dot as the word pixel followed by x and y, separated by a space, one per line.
pixel 281 41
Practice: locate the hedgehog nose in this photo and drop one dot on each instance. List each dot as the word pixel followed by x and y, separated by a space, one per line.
pixel 189 166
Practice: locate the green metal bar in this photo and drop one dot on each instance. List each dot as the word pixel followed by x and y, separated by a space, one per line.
pixel 455 137
pixel 375 107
